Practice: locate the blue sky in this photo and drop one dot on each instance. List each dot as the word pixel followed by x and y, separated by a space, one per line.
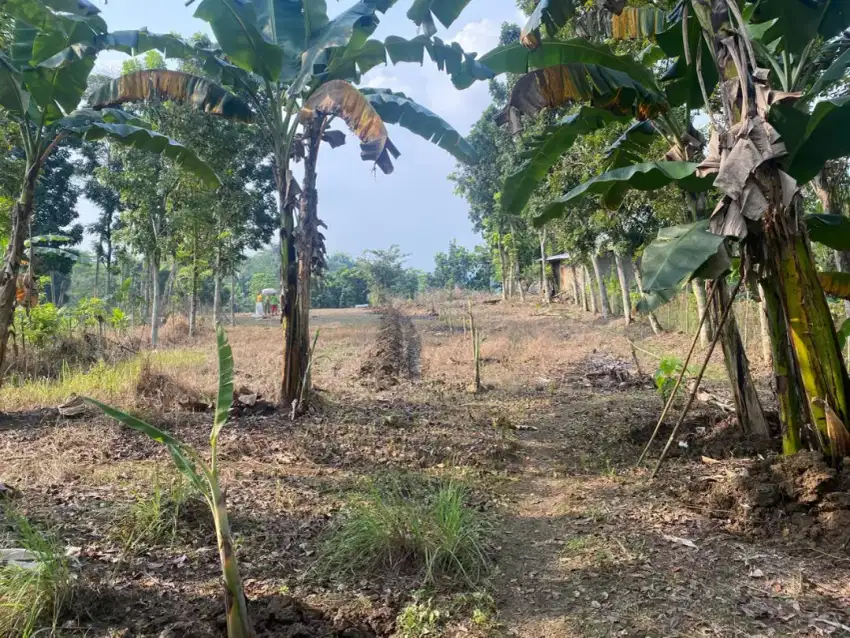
pixel 414 207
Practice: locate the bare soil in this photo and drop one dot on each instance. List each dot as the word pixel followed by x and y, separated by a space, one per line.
pixel 729 540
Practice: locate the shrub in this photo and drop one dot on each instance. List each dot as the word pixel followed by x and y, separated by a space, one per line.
pixel 406 524
pixel 32 597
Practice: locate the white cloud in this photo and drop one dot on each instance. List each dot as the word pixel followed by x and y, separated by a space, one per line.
pixel 384 79
pixel 478 37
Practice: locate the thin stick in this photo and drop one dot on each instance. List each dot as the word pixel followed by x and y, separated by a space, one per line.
pixel 669 403
pixel 690 402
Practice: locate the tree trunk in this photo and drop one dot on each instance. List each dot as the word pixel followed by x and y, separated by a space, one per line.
pixel 217 287
pixel 698 286
pixel 603 289
pixel 653 320
pixel 307 235
pixel 233 298
pixel 193 296
pixel 503 267
pixel 108 274
pixel 747 404
pixel 576 297
pixel 590 292
pixel 544 278
pixel 289 291
pixel 96 274
pixel 21 213
pixel 764 323
pixel 155 300
pixel 624 289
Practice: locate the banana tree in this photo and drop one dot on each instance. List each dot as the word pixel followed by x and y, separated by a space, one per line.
pixel 769 139
pixel 289 69
pixel 43 73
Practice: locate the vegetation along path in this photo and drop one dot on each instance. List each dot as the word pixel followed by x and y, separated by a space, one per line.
pixel 538 468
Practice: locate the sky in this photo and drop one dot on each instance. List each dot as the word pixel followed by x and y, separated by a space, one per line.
pixel 415 206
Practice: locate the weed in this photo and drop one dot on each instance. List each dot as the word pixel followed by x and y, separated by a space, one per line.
pixel 407 524
pixel 154 520
pixel 666 374
pixel 32 597
pixel 418 619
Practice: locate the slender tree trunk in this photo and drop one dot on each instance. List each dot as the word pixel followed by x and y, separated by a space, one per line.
pixel 503 267
pixel 96 275
pixel 193 297
pixel 653 320
pixel 544 279
pixel 217 287
pixel 589 285
pixel 764 323
pixel 155 300
pixel 108 274
pixel 289 291
pixel 624 288
pixel 747 404
pixel 21 214
pixel 576 297
pixel 233 298
pixel 698 286
pixel 600 282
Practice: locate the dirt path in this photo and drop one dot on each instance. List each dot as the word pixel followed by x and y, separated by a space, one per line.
pixel 594 547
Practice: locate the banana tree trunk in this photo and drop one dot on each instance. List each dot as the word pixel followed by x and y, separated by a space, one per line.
pixel 288 293
pixel 21 214
pixel 747 405
pixel 811 329
pixel 603 289
pixel 785 376
pixel 624 288
pixel 764 324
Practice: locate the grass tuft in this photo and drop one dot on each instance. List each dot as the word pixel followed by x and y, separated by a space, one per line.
pixel 31 599
pixel 404 524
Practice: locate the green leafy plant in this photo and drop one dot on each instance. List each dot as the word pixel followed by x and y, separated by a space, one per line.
pixel 205 478
pixel 668 371
pixel 406 524
pixel 119 319
pixel 42 325
pixel 32 596
pixel 419 619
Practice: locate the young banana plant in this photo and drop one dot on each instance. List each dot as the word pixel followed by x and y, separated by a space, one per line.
pixel 205 478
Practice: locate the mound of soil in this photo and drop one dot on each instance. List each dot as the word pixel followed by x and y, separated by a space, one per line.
pixel 158 391
pixel 395 355
pixel 799 496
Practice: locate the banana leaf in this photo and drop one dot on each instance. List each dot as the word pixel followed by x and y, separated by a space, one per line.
pixel 832 231
pixel 225 383
pixel 826 136
pixel 423 13
pixel 835 284
pixel 397 108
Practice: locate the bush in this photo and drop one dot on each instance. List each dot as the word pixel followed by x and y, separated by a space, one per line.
pixel 32 597
pixel 407 524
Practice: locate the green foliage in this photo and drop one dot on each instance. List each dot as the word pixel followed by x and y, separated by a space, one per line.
pixel 419 619
pixel 42 325
pixel 669 368
pixel 408 524
pixel 469 269
pixel 31 598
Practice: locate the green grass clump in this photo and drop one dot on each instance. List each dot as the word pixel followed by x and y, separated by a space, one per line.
pixel 32 599
pixel 154 520
pixel 403 524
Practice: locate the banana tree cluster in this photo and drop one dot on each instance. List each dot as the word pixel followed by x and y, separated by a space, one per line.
pixel 45 63
pixel 289 69
pixel 765 74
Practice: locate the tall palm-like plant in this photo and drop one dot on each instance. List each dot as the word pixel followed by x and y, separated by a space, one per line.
pixel 44 68
pixel 770 138
pixel 291 70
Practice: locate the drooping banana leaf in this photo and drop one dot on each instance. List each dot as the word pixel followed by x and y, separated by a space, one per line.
pixel 826 136
pixel 552 13
pixel 140 41
pixel 603 87
pixel 194 91
pixel 645 177
pixel 634 23
pixel 832 231
pixel 397 108
pixel 86 125
pixel 629 149
pixel 225 383
pixel 681 81
pixel 835 284
pixel 423 13
pixel 340 98
pixel 57 84
pixel 13 97
pixel 76 7
pixel 350 28
pixel 514 58
pixel 544 151
pixel 651 301
pixel 235 25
